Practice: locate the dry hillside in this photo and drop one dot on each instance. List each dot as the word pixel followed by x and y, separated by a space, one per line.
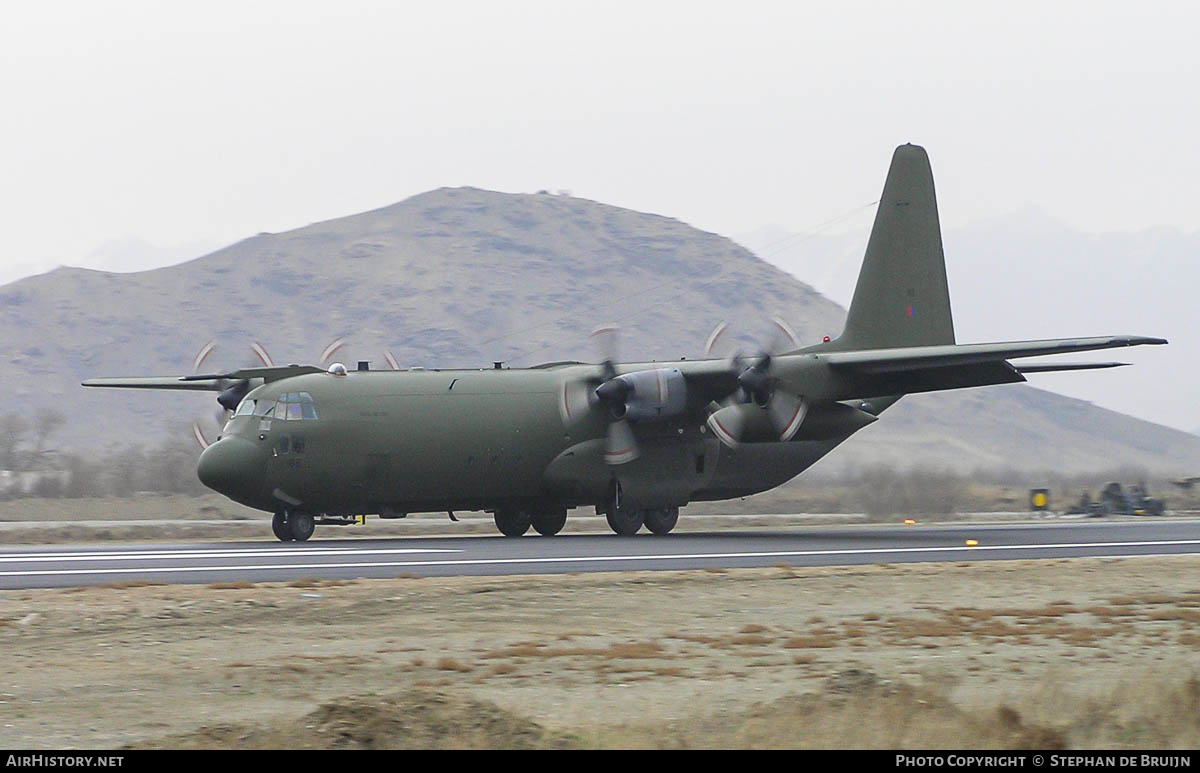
pixel 462 277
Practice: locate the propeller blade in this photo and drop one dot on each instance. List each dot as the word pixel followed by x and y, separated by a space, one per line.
pixel 202 355
pixel 330 350
pixel 711 342
pixel 728 424
pixel 784 338
pixel 605 341
pixel 262 354
pixel 787 412
pixel 391 359
pixel 620 445
pixel 198 434
pixel 573 402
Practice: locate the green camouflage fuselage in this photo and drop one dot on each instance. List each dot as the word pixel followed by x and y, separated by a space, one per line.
pixel 422 441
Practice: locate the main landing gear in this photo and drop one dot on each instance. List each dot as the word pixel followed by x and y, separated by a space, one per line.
pixel 626 521
pixel 293 525
pixel 513 522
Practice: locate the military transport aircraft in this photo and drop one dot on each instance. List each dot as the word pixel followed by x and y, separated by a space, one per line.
pixel 635 440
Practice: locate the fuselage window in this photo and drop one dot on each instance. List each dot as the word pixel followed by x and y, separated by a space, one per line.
pixel 246 408
pixel 284 444
pixel 298 444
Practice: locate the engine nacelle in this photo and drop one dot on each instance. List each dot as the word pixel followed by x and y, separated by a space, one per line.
pixel 653 394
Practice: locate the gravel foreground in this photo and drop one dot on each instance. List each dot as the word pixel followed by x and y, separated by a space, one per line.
pixel 1076 653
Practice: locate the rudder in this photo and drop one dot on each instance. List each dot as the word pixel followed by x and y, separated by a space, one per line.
pixel 902 297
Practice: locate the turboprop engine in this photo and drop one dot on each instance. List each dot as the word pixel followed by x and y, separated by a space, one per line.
pixel 644 394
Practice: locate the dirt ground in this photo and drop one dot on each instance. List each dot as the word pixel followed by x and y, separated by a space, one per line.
pixel 1082 653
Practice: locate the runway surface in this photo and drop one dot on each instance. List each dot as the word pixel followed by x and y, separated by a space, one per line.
pixel 69 566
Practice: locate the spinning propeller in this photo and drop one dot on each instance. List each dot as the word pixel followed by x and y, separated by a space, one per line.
pixel 757 389
pixel 620 445
pixel 609 393
pixel 232 391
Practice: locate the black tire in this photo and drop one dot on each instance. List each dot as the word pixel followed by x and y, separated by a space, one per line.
pixel 662 521
pixel 624 521
pixel 301 525
pixel 279 526
pixel 512 523
pixel 549 522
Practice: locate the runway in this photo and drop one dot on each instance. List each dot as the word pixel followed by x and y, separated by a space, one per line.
pixel 70 566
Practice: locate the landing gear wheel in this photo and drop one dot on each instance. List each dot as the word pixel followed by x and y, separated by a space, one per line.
pixel 549 522
pixel 662 521
pixel 279 526
pixel 512 523
pixel 301 525
pixel 624 521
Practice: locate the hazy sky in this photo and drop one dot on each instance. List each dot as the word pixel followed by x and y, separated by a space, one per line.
pixel 136 133
pixel 200 125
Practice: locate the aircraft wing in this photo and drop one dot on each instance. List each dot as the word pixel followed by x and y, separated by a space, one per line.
pixel 920 357
pixel 1052 367
pixel 166 382
pixel 268 374
pixel 820 374
pixel 212 382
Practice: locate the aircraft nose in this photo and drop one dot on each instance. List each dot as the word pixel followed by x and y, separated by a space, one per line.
pixel 232 466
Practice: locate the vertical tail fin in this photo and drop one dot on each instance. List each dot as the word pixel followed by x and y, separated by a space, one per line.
pixel 901 298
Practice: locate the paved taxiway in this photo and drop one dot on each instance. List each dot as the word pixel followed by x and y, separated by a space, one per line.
pixel 66 566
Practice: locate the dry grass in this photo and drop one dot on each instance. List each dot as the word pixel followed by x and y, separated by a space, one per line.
pixel 810 642
pixel 753 640
pixel 1002 658
pixel 450 664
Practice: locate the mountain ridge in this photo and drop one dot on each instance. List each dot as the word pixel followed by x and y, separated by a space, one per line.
pixel 463 277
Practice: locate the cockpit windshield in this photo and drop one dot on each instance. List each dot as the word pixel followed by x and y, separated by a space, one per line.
pixel 291 406
pixel 295 406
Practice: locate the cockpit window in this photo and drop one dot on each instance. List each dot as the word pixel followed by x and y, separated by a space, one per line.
pixel 246 408
pixel 264 408
pixel 295 406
